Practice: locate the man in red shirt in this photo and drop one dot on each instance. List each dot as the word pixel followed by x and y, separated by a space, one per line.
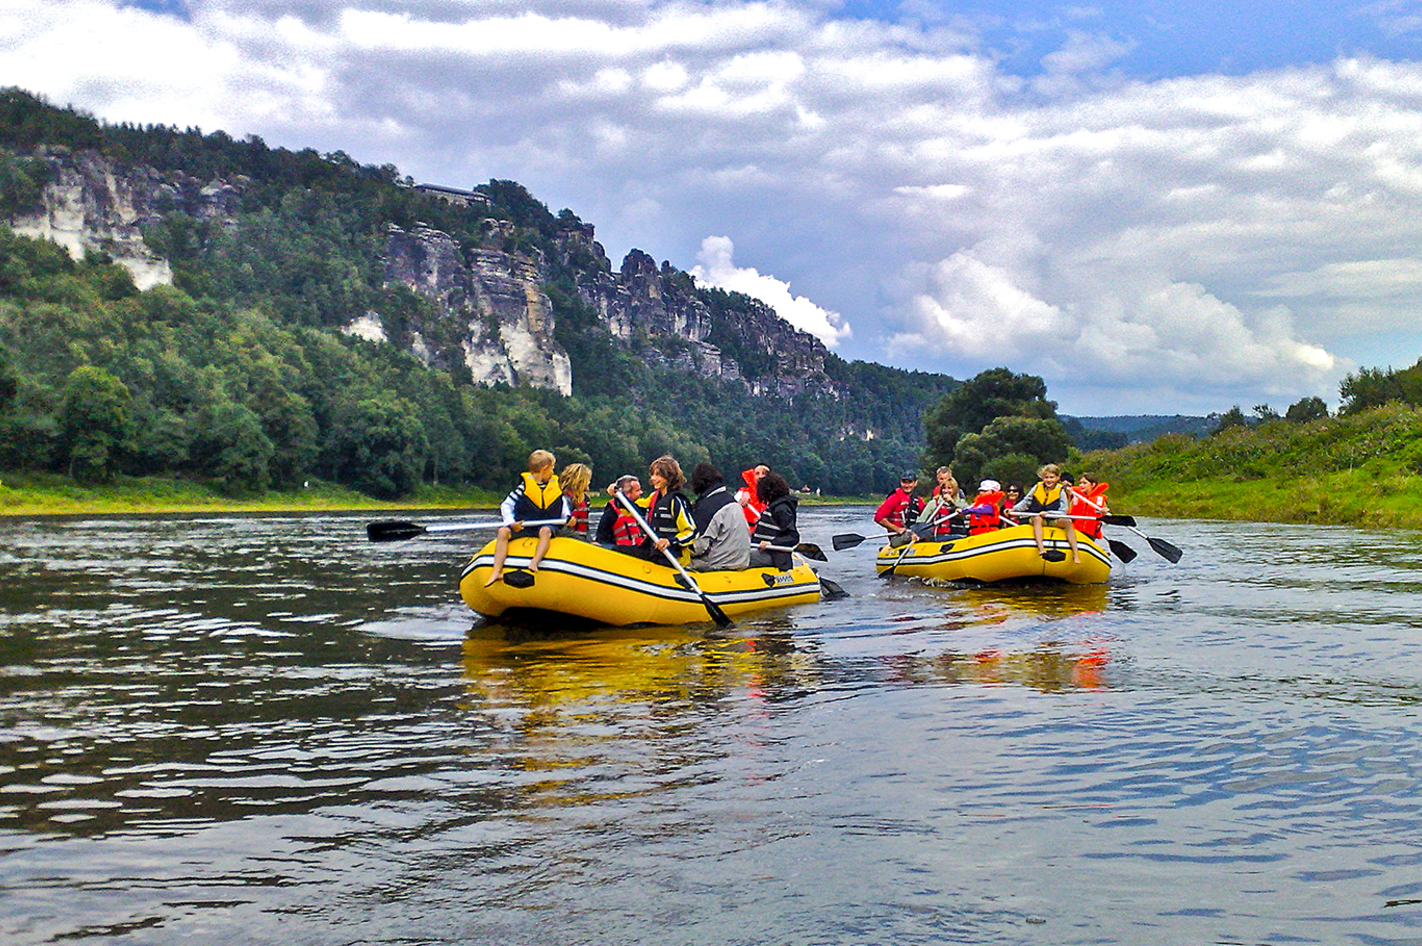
pixel 901 507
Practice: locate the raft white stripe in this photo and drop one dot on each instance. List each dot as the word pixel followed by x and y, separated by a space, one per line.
pixel 666 593
pixel 955 554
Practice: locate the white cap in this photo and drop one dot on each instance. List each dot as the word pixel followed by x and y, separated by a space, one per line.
pixel 989 486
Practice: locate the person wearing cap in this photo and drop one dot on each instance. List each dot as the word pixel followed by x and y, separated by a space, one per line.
pixel 985 514
pixel 900 509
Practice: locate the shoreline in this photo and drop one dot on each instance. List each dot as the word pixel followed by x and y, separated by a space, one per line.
pixel 24 496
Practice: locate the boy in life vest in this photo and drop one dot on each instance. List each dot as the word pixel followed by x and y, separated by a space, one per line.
pixel 1049 498
pixel 537 497
pixel 985 514
pixel 1088 498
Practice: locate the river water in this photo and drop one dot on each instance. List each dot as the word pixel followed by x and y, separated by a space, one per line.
pixel 267 730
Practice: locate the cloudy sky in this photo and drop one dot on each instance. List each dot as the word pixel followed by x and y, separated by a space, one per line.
pixel 1159 207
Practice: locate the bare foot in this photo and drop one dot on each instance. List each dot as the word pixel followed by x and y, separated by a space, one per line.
pixel 493 579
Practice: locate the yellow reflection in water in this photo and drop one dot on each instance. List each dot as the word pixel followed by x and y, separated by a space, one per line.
pixel 613 713
pixel 1075 656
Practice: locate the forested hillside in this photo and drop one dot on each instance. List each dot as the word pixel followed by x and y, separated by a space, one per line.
pixel 239 371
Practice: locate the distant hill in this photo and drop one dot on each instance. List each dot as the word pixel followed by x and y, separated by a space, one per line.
pixel 1143 428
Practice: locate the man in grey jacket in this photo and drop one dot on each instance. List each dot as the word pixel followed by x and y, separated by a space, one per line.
pixel 722 540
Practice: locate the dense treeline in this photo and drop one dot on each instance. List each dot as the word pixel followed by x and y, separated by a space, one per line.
pixel 236 373
pixel 105 380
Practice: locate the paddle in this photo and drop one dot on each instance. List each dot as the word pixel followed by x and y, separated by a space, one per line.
pixel 930 526
pixel 1122 551
pixel 717 615
pixel 1161 547
pixel 397 530
pixel 848 540
pixel 807 549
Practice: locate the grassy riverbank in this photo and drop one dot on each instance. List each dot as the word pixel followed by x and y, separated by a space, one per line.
pixel 1363 470
pixel 41 495
pixel 25 494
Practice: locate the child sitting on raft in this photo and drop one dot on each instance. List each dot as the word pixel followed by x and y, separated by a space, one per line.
pixel 537 497
pixel 1049 498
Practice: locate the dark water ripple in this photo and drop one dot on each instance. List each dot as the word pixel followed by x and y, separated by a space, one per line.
pixel 265 729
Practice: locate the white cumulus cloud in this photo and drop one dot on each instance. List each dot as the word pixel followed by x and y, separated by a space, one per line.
pixel 717 268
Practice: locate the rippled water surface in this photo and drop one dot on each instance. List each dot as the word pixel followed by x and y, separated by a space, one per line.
pixel 267 730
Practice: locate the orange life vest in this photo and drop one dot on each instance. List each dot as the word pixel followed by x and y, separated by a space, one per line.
pixel 980 522
pixel 1088 503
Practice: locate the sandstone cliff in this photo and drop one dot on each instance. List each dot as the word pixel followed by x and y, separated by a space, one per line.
pixel 488 310
pixel 92 205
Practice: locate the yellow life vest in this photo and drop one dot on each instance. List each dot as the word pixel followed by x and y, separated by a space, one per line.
pixel 1045 498
pixel 542 495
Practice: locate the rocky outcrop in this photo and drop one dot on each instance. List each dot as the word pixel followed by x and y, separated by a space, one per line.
pixel 489 309
pixel 92 205
pixel 661 305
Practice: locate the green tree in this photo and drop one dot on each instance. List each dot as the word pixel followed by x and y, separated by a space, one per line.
pixel 380 446
pixel 1234 417
pixel 9 381
pixel 1005 442
pixel 93 422
pixel 975 404
pixel 1305 410
pixel 234 449
pixel 1374 387
pixel 1263 413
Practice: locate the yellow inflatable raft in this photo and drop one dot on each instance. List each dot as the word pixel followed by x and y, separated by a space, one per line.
pixel 592 582
pixel 1003 555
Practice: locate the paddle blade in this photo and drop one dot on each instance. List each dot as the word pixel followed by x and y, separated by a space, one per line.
pixel 811 551
pixel 1165 550
pixel 832 590
pixel 392 530
pixel 846 540
pixel 717 615
pixel 1122 551
pixel 1119 520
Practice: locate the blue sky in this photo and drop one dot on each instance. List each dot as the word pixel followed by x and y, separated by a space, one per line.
pixel 1157 207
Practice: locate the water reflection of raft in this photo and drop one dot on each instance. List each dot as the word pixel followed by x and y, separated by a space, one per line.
pixel 1003 555
pixel 588 581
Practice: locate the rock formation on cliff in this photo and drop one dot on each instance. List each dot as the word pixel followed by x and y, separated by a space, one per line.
pixel 488 309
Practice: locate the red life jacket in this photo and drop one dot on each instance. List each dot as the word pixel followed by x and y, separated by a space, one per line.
pixel 980 522
pixel 625 529
pixel 892 510
pixel 580 518
pixel 752 507
pixel 1088 503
